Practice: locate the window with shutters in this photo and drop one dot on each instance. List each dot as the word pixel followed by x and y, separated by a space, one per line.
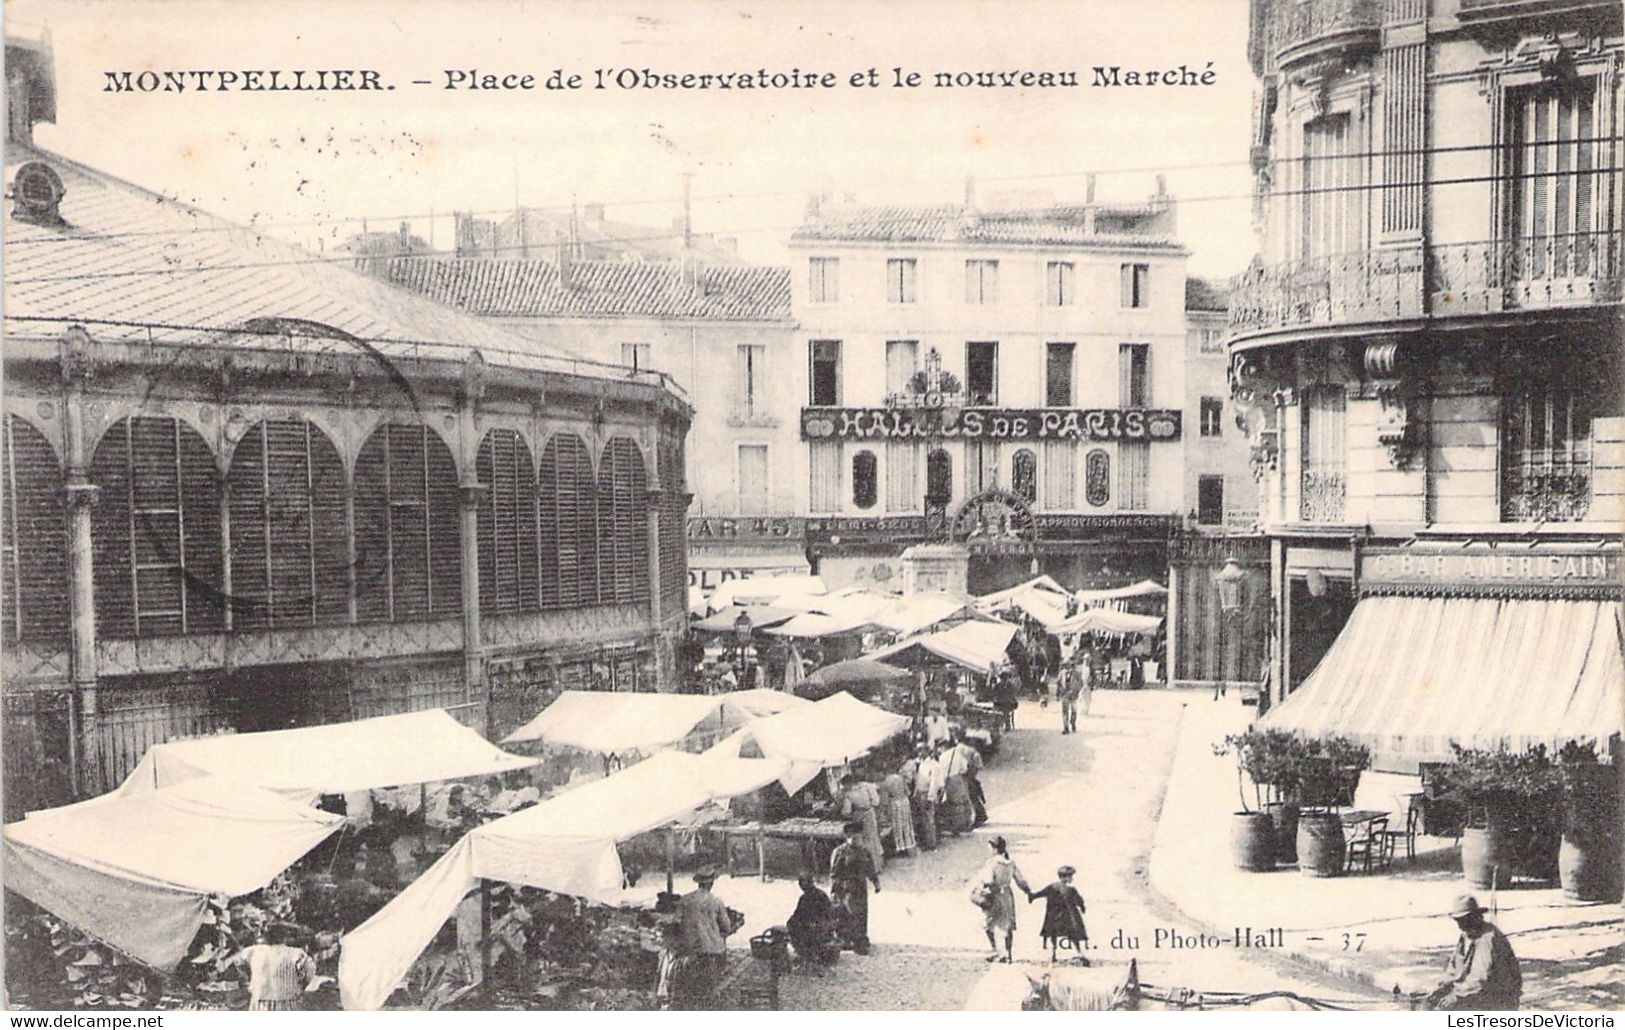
pixel 1136 285
pixel 824 373
pixel 287 528
pixel 901 285
pixel 1024 475
pixel 982 371
pixel 824 484
pixel 1212 413
pixel 1133 474
pixel 156 531
pixel 1322 483
pixel 1134 375
pixel 753 477
pixel 824 280
pixel 509 572
pixel 635 355
pixel 623 537
pixel 568 514
pixel 865 480
pixel 1210 500
pixel 1060 486
pixel 408 527
pixel 750 381
pixel 1097 478
pixel 1557 174
pixel 34 581
pixel 1545 457
pixel 1058 361
pixel 1331 203
pixel 1059 277
pixel 981 466
pixel 902 361
pixel 981 282
pixel 673 520
pixel 902 477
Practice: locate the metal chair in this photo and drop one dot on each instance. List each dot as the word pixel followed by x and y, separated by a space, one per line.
pixel 1370 847
pixel 1413 819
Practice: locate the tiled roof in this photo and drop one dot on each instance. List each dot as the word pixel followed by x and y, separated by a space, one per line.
pixel 1205 294
pixel 127 259
pixel 532 287
pixel 1052 226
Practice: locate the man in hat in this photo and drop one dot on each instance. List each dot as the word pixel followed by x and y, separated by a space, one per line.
pixel 702 944
pixel 1483 972
pixel 851 870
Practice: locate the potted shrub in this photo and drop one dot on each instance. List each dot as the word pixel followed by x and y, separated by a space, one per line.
pixel 1588 857
pixel 1252 831
pixel 1512 800
pixel 1328 772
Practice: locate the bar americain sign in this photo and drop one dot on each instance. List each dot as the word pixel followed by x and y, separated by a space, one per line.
pixel 1485 568
pixel 1158 424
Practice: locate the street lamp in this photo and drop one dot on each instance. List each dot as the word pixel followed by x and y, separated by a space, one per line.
pixel 742 630
pixel 1230 581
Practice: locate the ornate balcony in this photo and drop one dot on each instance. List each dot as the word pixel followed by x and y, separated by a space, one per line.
pixel 1300 30
pixel 1545 496
pixel 1322 496
pixel 1410 282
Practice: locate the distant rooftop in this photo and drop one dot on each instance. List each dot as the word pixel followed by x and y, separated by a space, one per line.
pixel 539 288
pixel 1101 225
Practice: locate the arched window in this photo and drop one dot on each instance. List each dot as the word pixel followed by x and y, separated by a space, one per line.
pixel 567 493
pixel 1097 478
pixel 35 538
pixel 865 476
pixel 156 531
pixel 289 547
pixel 1024 475
pixel 623 498
pixel 408 531
pixel 507 524
pixel 939 477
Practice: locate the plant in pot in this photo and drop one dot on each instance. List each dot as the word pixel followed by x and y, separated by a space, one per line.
pixel 1588 857
pixel 1513 800
pixel 1328 771
pixel 1252 832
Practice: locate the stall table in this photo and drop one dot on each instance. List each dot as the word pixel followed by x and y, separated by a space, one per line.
pixel 809 832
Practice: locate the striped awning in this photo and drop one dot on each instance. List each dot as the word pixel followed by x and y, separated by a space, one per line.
pixel 1409 675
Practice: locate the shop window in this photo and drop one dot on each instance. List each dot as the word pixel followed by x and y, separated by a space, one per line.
pixel 824 378
pixel 865 479
pixel 408 526
pixel 1024 475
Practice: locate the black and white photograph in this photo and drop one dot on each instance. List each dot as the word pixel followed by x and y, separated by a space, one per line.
pixel 926 506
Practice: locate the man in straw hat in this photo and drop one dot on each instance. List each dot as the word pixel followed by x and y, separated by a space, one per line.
pixel 1483 972
pixel 703 928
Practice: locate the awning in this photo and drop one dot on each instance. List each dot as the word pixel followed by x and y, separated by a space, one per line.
pixel 761 616
pixel 977 646
pixel 763 589
pixel 389 751
pixel 810 626
pixel 909 615
pixel 619 723
pixel 713 570
pixel 136 870
pixel 565 844
pixel 1409 675
pixel 1144 588
pixel 1040 584
pixel 1108 620
pixel 820 735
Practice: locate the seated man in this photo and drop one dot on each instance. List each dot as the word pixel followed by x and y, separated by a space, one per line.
pixel 812 925
pixel 1483 973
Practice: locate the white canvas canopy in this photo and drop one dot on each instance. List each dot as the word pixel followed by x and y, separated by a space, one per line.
pixel 764 589
pixel 1144 588
pixel 565 844
pixel 389 751
pixel 811 626
pixel 1109 620
pixel 618 723
pixel 136 870
pixel 820 735
pixel 907 616
pixel 975 645
pixel 1039 585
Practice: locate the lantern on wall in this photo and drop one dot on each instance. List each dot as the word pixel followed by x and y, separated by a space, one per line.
pixel 1231 581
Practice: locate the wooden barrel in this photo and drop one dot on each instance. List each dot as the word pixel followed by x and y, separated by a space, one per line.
pixel 1252 841
pixel 1284 815
pixel 1483 857
pixel 1320 844
pixel 1588 868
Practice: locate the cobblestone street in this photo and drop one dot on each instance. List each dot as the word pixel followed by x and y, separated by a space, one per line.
pixel 1090 800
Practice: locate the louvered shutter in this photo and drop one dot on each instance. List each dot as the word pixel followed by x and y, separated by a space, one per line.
pixel 624 549
pixel 547 503
pixel 372 572
pixel 507 524
pixel 35 579
pixel 443 502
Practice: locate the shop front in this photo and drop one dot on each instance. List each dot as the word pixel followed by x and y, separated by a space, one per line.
pixel 722 550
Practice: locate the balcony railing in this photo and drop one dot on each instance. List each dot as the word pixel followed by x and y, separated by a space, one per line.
pixel 1322 496
pixel 1397 283
pixel 1302 28
pixel 1546 496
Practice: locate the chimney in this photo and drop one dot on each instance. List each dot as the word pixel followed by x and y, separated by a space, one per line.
pixel 567 272
pixel 1089 189
pixel 1089 205
pixel 462 233
pixel 405 245
pixel 688 211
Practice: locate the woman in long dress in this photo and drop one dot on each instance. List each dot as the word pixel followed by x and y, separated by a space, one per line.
pixel 860 802
pixel 957 813
pixel 894 791
pixel 999 873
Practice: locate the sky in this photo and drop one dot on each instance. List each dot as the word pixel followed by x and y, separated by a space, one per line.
pixel 310 166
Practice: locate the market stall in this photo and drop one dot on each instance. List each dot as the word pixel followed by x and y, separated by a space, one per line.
pixel 566 845
pixel 137 870
pixel 863 678
pixel 962 661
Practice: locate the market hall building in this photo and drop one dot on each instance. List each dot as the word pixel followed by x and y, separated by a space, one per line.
pixel 1428 355
pixel 1009 374
pixel 245 489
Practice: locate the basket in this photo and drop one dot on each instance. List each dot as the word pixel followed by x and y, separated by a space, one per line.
pixel 771 946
